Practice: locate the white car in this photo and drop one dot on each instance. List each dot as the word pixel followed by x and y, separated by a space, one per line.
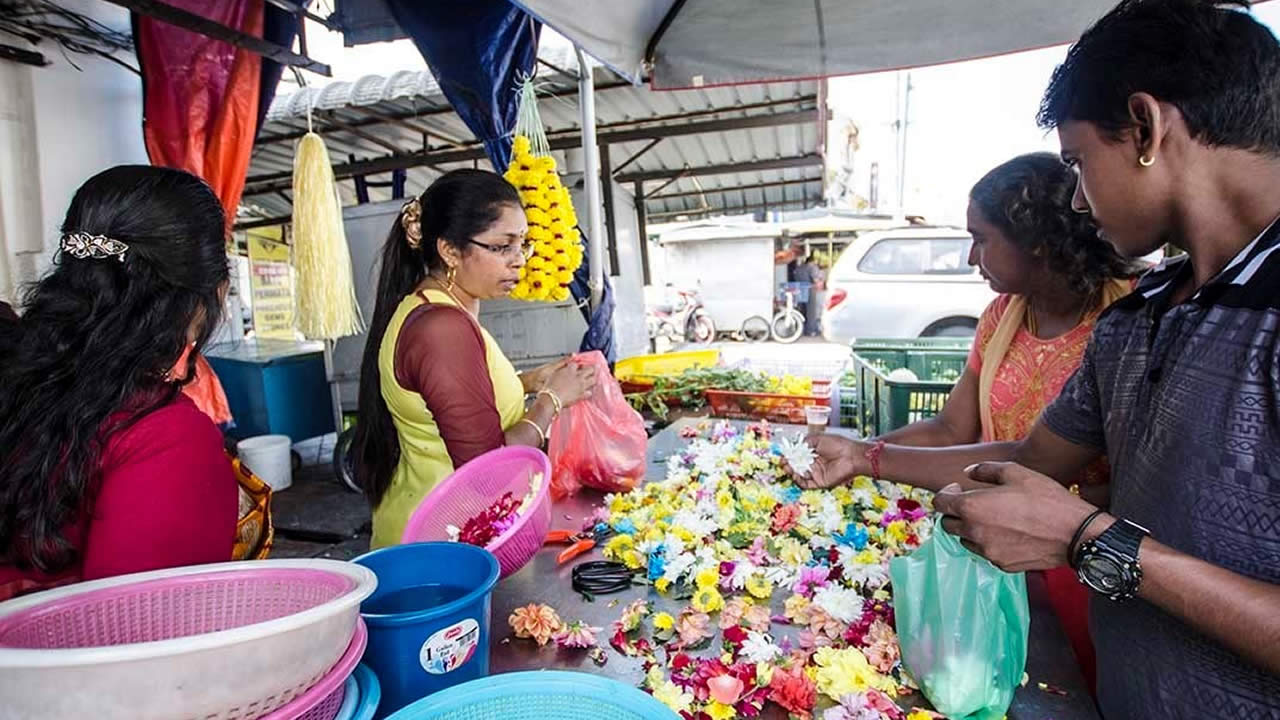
pixel 905 283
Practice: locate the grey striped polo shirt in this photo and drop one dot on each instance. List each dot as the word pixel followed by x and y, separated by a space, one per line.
pixel 1185 401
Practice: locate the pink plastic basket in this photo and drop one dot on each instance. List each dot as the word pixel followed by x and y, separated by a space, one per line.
pixel 228 641
pixel 323 700
pixel 474 487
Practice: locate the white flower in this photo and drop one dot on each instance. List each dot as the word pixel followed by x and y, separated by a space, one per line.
pixel 798 454
pixel 741 571
pixel 710 458
pixel 868 577
pixel 759 648
pixel 821 542
pixel 829 517
pixel 781 576
pixel 678 565
pixel 843 604
pixel 673 545
pixel 698 523
pixel 453 531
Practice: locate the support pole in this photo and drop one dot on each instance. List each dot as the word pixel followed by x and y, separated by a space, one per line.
pixel 591 176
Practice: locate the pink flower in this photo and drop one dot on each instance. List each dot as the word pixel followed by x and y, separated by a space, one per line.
pixel 577 634
pixel 882 649
pixel 868 705
pixel 759 554
pixel 794 691
pixel 785 518
pixel 693 627
pixel 733 611
pixel 811 578
pixel 758 618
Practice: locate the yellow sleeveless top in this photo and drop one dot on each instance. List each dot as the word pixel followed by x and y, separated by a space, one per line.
pixel 424 460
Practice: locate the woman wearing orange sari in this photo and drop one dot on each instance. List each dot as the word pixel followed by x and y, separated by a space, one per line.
pixel 1055 276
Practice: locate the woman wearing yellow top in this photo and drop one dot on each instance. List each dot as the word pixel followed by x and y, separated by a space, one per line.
pixel 435 389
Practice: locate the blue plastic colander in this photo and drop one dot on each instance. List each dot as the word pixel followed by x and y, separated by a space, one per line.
pixel 370 694
pixel 549 695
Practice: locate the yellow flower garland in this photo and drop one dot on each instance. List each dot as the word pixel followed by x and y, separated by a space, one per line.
pixel 552 226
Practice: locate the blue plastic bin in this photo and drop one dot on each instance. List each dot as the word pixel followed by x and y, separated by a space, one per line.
pixel 551 695
pixel 421 651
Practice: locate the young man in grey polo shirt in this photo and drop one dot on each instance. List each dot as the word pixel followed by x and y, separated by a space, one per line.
pixel 1170 111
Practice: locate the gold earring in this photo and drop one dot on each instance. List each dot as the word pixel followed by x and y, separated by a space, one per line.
pixel 1146 161
pixel 451 276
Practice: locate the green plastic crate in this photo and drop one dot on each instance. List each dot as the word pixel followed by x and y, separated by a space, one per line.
pixel 928 343
pixel 873 404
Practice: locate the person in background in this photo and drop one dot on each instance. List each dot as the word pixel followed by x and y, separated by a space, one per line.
pixel 812 273
pixel 1055 277
pixel 107 467
pixel 435 389
pixel 1167 111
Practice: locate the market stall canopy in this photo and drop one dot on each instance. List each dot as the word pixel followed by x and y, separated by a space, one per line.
pixel 682 44
pixel 696 153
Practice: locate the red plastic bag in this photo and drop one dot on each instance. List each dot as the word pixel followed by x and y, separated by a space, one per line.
pixel 600 442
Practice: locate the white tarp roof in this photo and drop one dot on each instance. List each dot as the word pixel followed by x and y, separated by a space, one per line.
pixel 715 42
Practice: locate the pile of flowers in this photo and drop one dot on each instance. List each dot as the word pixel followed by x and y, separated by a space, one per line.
pixel 552 225
pixel 487 525
pixel 794 582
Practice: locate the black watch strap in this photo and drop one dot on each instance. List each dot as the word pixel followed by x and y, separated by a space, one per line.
pixel 1117 547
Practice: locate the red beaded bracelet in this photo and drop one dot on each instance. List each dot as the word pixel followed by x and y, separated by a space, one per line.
pixel 873 455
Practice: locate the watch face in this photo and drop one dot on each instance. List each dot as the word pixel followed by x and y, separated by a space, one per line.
pixel 1102 574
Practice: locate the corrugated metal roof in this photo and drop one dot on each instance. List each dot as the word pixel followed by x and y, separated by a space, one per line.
pixel 382 116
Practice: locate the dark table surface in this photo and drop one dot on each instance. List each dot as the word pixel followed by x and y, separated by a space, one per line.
pixel 1049 659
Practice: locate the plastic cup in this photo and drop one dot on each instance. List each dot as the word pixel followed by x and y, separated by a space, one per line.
pixel 817 417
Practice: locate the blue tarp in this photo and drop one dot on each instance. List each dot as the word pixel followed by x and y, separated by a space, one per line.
pixel 478 51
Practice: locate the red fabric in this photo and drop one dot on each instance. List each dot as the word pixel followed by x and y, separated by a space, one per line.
pixel 1070 602
pixel 440 355
pixel 201 95
pixel 167 497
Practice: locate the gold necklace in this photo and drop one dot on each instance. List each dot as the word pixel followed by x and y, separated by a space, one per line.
pixel 1033 326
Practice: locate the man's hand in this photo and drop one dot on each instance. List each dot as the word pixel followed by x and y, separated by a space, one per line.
pixel 1022 521
pixel 839 461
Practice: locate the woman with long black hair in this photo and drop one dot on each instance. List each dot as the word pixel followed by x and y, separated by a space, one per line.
pixel 107 467
pixel 435 388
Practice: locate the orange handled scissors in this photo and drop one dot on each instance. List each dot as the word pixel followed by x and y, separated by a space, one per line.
pixel 580 542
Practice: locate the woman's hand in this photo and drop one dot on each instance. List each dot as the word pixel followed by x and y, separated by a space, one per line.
pixel 537 378
pixel 839 461
pixel 572 383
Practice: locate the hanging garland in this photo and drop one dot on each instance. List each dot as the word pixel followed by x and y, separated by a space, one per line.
pixel 549 209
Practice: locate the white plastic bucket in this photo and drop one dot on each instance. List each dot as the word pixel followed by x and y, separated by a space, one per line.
pixel 268 456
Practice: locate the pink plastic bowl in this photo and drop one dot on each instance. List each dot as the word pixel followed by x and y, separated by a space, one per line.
pixel 323 700
pixel 473 488
pixel 229 641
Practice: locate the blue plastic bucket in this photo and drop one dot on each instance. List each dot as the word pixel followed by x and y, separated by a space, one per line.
pixel 429 618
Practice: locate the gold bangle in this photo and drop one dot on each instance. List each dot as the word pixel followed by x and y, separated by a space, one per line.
pixel 555 399
pixel 542 436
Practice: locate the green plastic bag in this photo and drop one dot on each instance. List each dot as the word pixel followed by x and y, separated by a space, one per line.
pixel 963 627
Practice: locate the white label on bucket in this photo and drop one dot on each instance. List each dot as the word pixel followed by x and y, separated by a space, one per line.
pixel 450 648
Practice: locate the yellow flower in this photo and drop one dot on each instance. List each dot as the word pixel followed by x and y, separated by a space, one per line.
pixel 685 536
pixel 664 621
pixel 670 694
pixel 897 530
pixel 707 578
pixel 759 586
pixel 880 501
pixel 867 557
pixel 708 600
pixel 792 552
pixel 724 500
pixel 633 559
pixel 919 714
pixel 618 545
pixel 841 672
pixel 662 585
pixel 764 674
pixel 720 711
pixel 796 609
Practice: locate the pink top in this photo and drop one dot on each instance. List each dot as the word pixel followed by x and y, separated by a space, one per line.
pixel 1030 376
pixel 167 497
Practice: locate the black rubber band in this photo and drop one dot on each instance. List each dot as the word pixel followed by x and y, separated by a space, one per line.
pixel 1075 539
pixel 600 577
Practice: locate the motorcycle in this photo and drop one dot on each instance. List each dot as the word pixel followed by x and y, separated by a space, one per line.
pixel 686 320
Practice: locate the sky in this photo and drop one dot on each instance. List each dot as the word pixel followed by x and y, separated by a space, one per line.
pixel 963 118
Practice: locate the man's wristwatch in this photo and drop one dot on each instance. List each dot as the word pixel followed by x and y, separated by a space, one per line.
pixel 1108 564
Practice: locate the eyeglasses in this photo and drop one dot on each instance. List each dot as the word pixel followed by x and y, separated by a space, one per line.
pixel 508 251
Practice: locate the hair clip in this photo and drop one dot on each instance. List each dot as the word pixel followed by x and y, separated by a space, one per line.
pixel 82 245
